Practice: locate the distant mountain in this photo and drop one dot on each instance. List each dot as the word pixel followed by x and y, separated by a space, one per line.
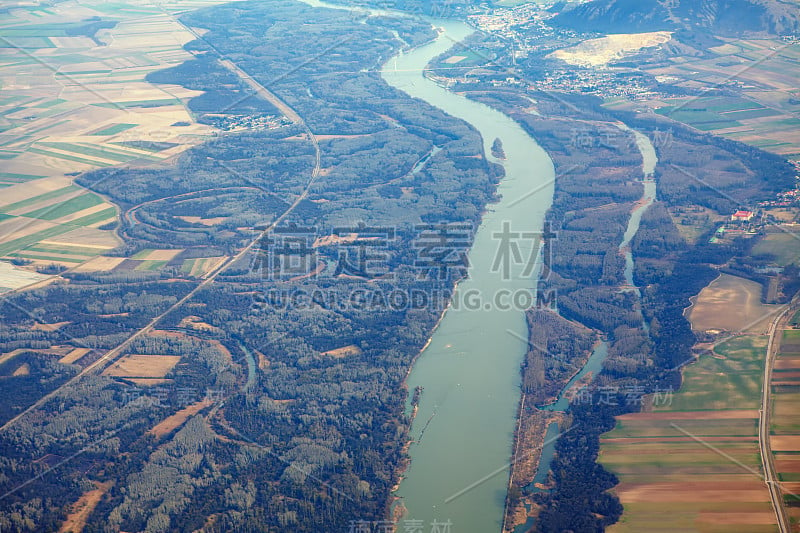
pixel 722 17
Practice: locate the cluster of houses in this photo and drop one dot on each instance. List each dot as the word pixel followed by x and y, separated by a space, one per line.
pixel 741 223
pixel 784 199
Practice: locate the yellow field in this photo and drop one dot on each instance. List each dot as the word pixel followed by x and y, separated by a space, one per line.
pixel 80 511
pixel 48 327
pixel 23 370
pixel 74 103
pixel 8 356
pixel 730 303
pixel 344 351
pixel 157 255
pixel 204 221
pixel 782 214
pixel 100 264
pixel 143 366
pixel 196 323
pixel 201 266
pixel 176 420
pixel 74 356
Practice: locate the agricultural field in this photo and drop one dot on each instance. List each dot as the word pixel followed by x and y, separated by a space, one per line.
pixel 694 221
pixel 795 320
pixel 783 215
pixel 156 255
pixel 12 277
pixel 780 243
pixel 762 72
pixel 143 369
pixel 75 99
pixel 80 511
pixel 692 461
pixel 37 216
pixel 344 351
pixel 201 266
pixel 730 303
pixel 172 422
pixel 74 356
pixel 785 428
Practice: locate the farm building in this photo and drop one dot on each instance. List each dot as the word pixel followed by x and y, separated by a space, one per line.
pixel 742 216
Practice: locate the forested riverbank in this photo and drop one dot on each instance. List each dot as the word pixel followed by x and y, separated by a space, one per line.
pixel 314 439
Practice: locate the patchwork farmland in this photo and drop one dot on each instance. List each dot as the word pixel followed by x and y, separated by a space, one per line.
pixel 75 99
pixel 765 113
pixel 693 462
pixel 785 430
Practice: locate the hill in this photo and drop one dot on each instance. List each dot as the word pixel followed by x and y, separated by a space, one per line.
pixel 723 17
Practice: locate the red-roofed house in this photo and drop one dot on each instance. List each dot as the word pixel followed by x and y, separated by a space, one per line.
pixel 742 216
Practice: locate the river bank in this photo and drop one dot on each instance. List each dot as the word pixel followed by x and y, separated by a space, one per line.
pixel 470 367
pixel 539 426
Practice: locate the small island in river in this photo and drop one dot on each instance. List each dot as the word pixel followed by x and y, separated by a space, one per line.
pixel 497 149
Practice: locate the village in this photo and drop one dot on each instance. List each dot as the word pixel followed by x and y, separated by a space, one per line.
pixel 782 214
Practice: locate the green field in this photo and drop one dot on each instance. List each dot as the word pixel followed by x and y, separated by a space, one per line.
pixel 95 151
pixel 698 118
pixel 785 418
pixel 17 178
pixel 791 336
pixel 94 218
pixel 751 113
pixel 783 246
pixel 73 205
pixel 141 254
pixel 704 425
pixel 715 113
pixel 682 516
pixel 730 382
pixel 40 198
pixel 47 258
pixel 64 249
pixel 785 402
pixel 151 265
pixel 68 157
pixel 22 242
pixel 114 129
pixel 690 443
pixel 141 103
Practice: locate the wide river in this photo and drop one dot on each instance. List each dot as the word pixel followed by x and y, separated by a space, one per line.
pixel 470 371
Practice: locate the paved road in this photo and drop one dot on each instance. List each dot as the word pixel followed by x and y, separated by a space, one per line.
pixel 767 459
pixel 263 92
pixel 209 278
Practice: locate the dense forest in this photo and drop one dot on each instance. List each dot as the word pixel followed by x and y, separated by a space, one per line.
pixel 599 176
pixel 292 415
pixel 284 410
